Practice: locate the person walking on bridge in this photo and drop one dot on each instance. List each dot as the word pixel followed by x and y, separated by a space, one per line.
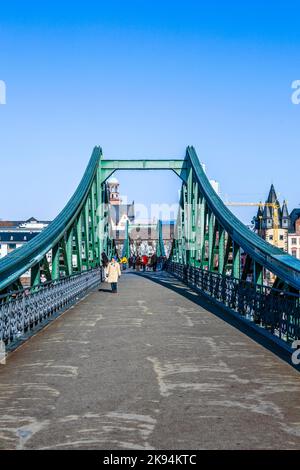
pixel 113 274
pixel 145 260
pixel 138 263
pixel 104 259
pixel 104 262
pixel 154 261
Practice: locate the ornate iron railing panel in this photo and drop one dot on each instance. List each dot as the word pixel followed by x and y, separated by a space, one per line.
pixel 24 311
pixel 276 311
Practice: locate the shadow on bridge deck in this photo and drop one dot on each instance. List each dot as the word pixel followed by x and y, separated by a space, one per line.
pixel 265 339
pixel 147 368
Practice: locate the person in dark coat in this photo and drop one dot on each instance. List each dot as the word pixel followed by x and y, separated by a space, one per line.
pixel 154 261
pixel 104 264
pixel 138 263
pixel 133 261
pixel 104 260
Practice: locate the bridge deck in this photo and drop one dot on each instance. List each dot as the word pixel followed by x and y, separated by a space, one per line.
pixel 148 368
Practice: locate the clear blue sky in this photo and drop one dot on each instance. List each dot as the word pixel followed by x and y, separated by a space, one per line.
pixel 146 79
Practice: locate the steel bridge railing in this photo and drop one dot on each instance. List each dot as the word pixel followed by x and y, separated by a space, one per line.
pixel 24 311
pixel 273 310
pixel 208 235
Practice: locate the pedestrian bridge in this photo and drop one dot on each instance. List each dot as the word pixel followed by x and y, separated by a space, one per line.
pixel 157 366
pixel 196 356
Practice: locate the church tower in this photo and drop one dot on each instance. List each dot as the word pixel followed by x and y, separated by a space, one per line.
pixel 114 193
pixel 273 221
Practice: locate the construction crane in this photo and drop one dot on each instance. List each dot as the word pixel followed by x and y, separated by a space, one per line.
pixel 275 207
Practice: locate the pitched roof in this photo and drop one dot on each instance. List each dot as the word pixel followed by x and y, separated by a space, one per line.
pixel 284 210
pixel 268 211
pixel 17 223
pixel 272 197
pixel 295 215
pixel 259 211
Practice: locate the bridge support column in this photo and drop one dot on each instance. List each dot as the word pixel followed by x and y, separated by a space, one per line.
pixel 35 275
pixel 69 252
pixel 228 248
pixel 236 260
pixel 211 240
pixel 78 242
pixel 202 229
pixel 55 262
pixel 257 273
pixel 92 218
pixel 221 249
pixel 86 234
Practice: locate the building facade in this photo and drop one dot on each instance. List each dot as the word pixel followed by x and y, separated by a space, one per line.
pixel 14 234
pixel 294 234
pixel 120 213
pixel 272 221
pixel 143 234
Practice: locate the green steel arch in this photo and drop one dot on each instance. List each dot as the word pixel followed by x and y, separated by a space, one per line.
pixel 208 235
pixel 160 247
pixel 81 230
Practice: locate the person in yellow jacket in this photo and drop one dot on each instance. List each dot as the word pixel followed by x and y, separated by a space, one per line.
pixel 124 262
pixel 113 274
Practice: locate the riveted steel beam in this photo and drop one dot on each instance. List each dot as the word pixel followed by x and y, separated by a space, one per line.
pixel 160 248
pixel 108 167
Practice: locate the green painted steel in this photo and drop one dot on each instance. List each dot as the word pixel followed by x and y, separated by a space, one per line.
pixel 63 238
pixel 160 247
pixel 283 265
pixel 78 237
pixel 55 262
pixel 35 275
pixel 126 244
pixel 108 167
pixel 219 232
pixel 208 235
pixel 221 249
pixel 69 251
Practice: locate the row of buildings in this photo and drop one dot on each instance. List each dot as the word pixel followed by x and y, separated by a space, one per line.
pixel 13 234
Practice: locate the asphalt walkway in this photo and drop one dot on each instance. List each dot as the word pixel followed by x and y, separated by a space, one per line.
pixel 148 368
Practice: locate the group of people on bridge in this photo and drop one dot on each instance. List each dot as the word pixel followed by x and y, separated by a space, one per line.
pixel 112 268
pixel 145 262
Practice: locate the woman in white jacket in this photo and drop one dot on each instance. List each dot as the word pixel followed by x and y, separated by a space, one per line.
pixel 113 274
